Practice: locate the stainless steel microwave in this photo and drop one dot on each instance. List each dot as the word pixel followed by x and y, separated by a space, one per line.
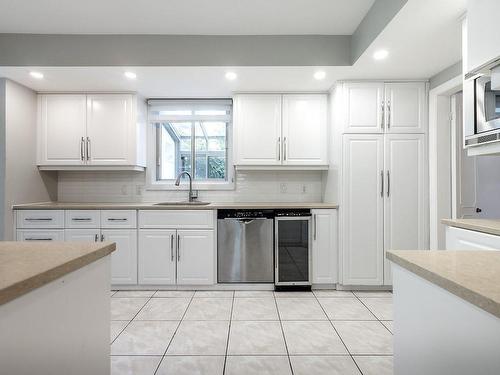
pixel 481 111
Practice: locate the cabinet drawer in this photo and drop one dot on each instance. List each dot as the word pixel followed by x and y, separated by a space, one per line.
pixel 118 219
pixel 40 235
pixel 184 219
pixel 82 219
pixel 40 219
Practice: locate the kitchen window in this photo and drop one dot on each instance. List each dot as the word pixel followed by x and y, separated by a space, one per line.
pixel 192 136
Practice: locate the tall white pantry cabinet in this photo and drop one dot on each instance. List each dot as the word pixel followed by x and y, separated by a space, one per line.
pixel 384 177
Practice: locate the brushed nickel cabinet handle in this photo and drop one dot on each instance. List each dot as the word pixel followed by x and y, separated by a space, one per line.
pixel 82 150
pixel 96 237
pixel 178 247
pixel 81 219
pixel 388 183
pixel 37 239
pixel 279 148
pixel 284 148
pixel 315 225
pixel 388 114
pixel 102 237
pixel 88 148
pixel 383 115
pixel 172 247
pixel 38 219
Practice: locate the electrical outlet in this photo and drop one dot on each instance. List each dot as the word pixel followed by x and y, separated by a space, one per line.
pixel 124 190
pixel 304 189
pixel 283 188
pixel 138 189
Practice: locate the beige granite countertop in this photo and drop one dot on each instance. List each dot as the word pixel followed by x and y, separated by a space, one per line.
pixel 471 275
pixel 152 206
pixel 479 225
pixel 25 266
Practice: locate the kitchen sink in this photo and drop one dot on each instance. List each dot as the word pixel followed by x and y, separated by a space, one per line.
pixel 184 203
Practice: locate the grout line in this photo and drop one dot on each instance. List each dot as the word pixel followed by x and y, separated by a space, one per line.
pixel 283 333
pixel 130 321
pixel 338 334
pixel 172 338
pixel 228 335
pixel 376 317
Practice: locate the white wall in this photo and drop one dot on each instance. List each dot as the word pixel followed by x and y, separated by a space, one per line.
pixel 488 186
pixel 483 33
pixel 251 186
pixel 22 183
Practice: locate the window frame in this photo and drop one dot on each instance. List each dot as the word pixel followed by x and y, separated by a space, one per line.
pixel 152 183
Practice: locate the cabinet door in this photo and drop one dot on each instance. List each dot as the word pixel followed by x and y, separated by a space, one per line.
pixel 463 239
pixel 195 257
pixel 257 129
pixel 82 235
pixel 324 247
pixel 305 122
pixel 405 107
pixel 109 129
pixel 157 257
pixel 364 107
pixel 405 195
pixel 363 213
pixel 61 127
pixel 124 258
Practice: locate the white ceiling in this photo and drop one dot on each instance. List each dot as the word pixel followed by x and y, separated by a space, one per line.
pixel 226 17
pixel 423 39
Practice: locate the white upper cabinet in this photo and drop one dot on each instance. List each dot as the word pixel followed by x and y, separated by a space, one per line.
pixel 61 130
pixel 305 130
pixel 257 129
pixel 109 117
pixel 375 107
pixel 364 107
pixel 273 130
pixel 405 107
pixel 97 131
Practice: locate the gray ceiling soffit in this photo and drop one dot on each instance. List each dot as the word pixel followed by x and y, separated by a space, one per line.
pixel 174 50
pixel 445 75
pixel 377 18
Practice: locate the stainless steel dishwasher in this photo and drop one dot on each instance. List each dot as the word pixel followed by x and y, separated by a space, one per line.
pixel 245 246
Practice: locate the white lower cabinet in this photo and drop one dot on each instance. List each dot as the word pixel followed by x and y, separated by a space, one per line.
pixel 82 235
pixel 124 258
pixel 184 257
pixel 464 239
pixel 195 257
pixel 40 235
pixel 157 257
pixel 324 247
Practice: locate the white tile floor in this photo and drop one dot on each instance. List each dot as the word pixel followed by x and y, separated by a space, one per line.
pixel 251 332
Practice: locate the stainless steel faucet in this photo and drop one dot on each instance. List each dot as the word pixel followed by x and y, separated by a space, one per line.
pixel 193 195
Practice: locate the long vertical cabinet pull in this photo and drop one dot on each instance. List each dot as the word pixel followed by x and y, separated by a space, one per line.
pixel 284 148
pixel 383 115
pixel 388 183
pixel 315 222
pixel 388 114
pixel 82 149
pixel 172 247
pixel 88 148
pixel 279 148
pixel 382 183
pixel 178 247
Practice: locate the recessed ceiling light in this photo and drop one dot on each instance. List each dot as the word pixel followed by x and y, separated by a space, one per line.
pixel 380 54
pixel 319 75
pixel 130 75
pixel 231 76
pixel 36 75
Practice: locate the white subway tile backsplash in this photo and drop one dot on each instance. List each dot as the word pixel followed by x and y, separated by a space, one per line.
pixel 250 186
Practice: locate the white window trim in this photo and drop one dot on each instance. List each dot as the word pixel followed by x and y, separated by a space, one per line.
pixel 153 184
